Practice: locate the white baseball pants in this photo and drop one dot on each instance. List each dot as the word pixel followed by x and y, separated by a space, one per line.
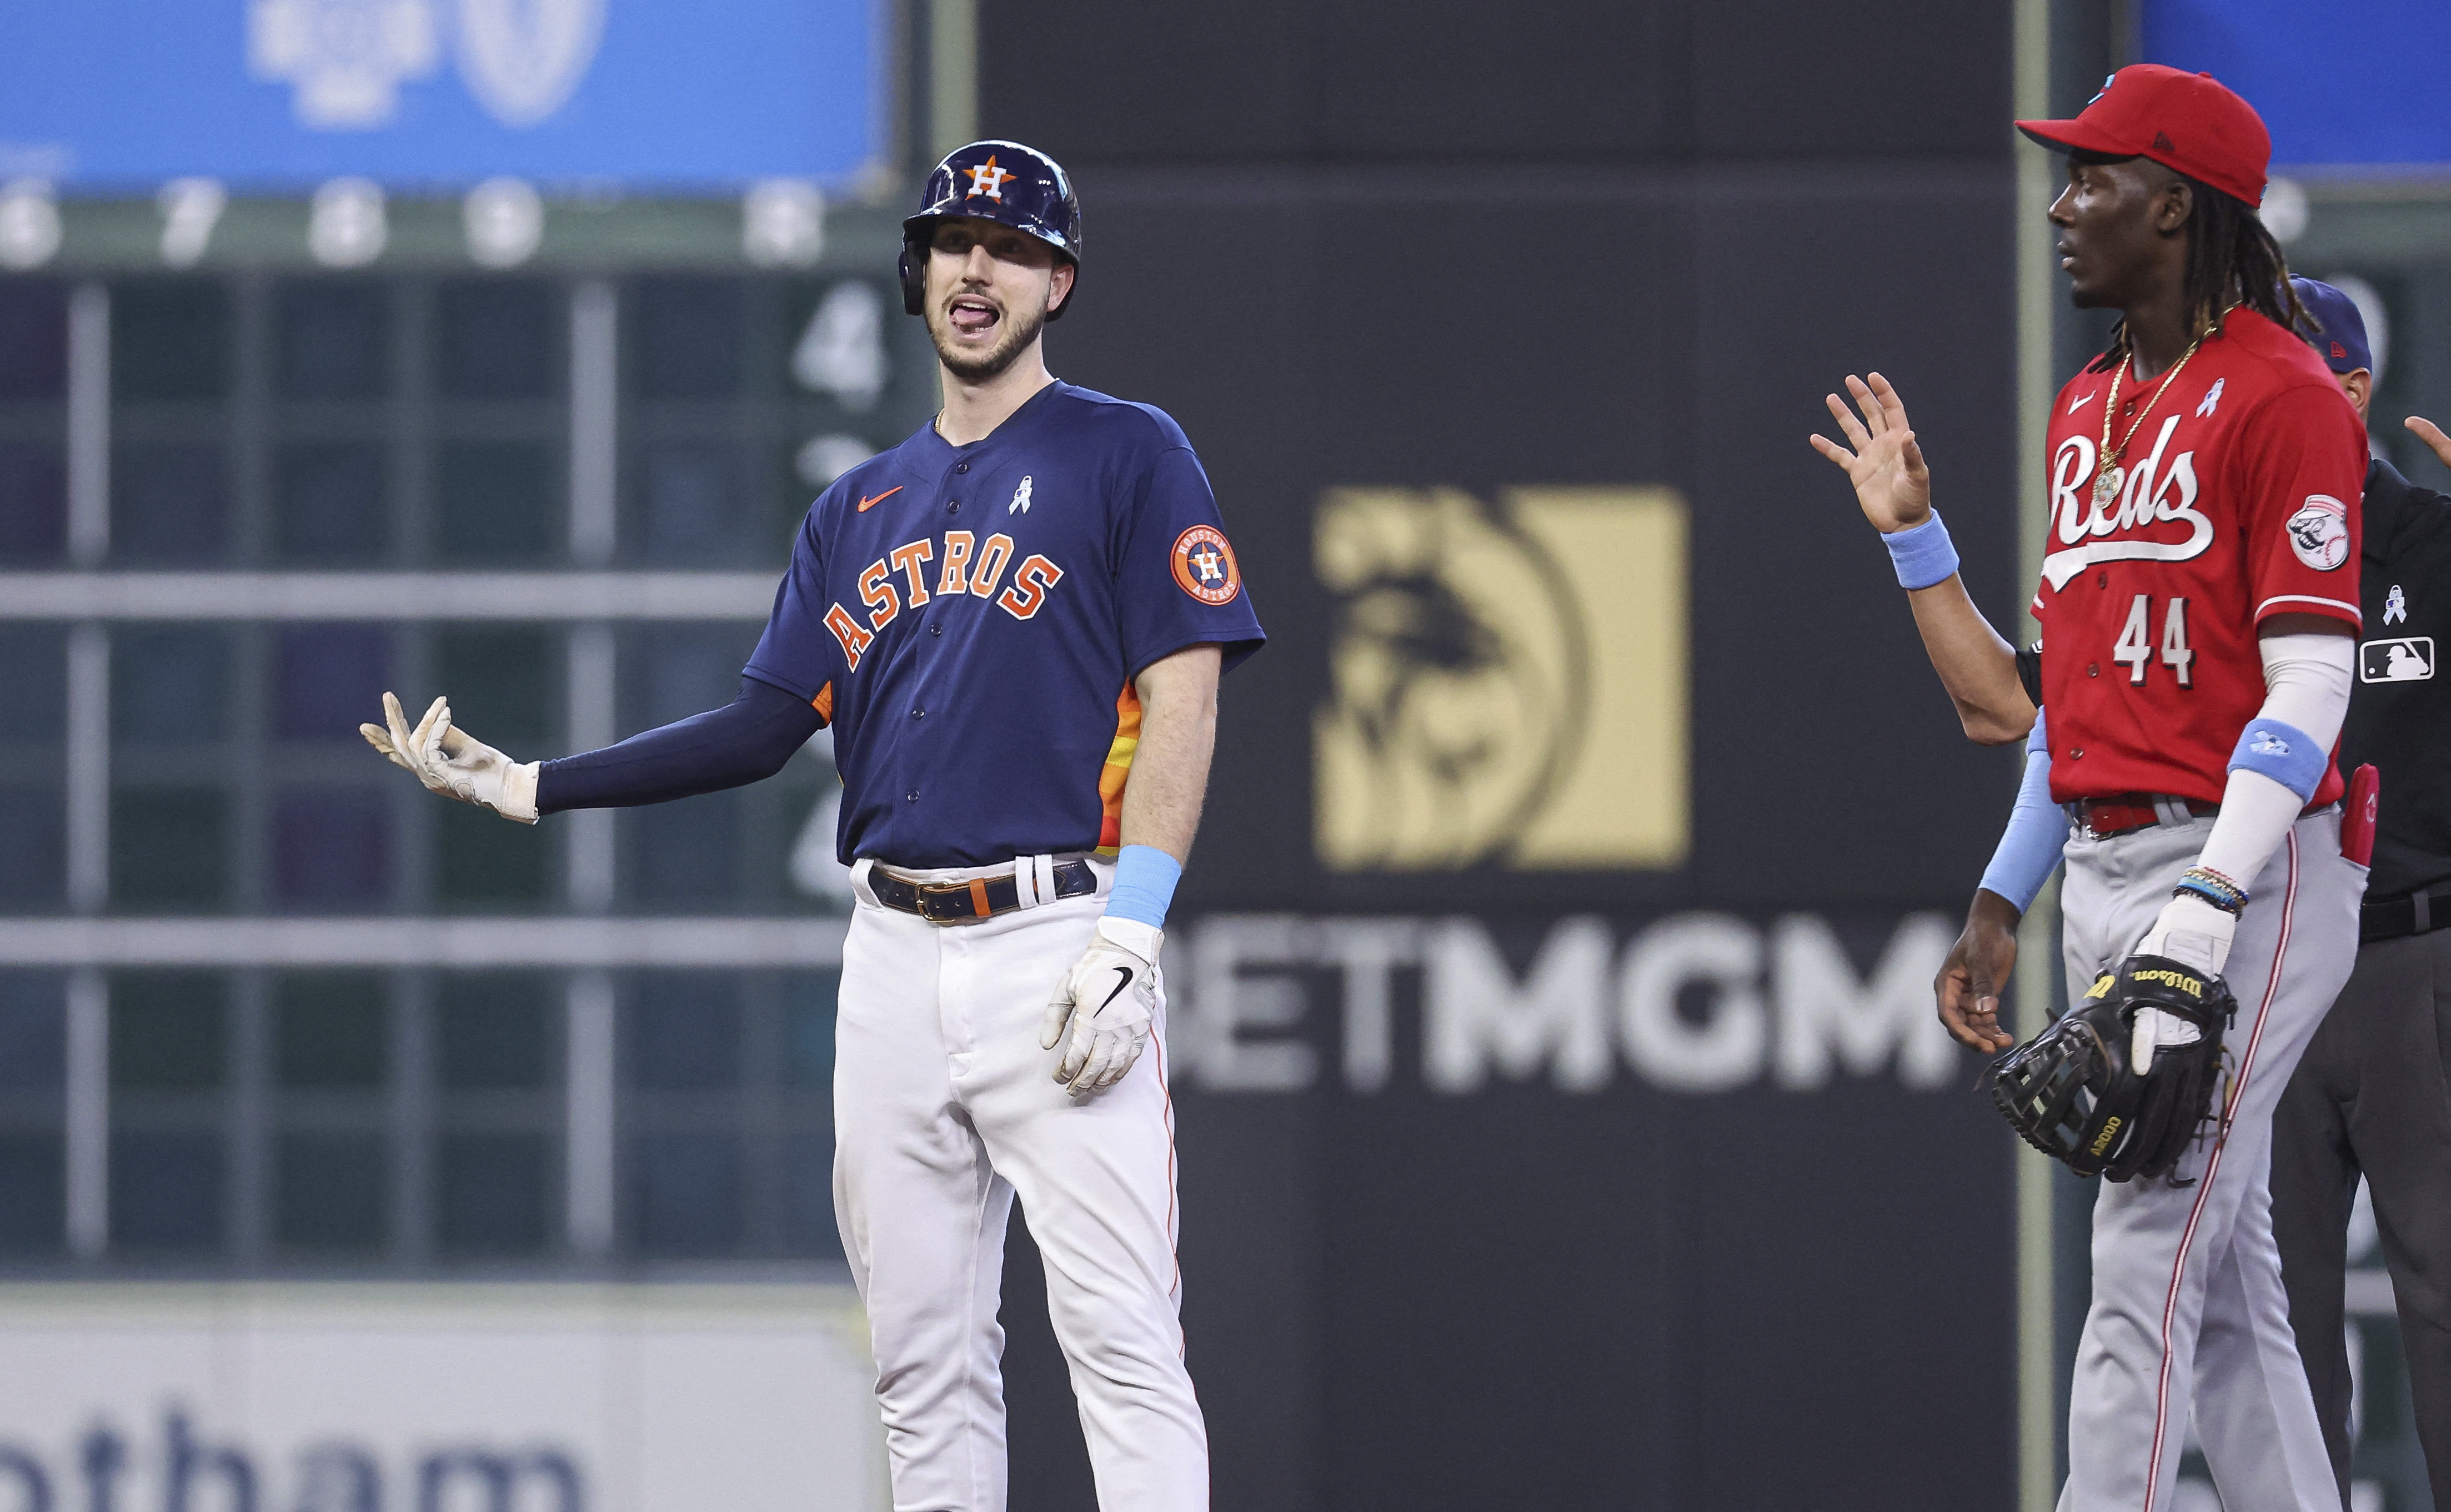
pixel 945 1108
pixel 2189 1314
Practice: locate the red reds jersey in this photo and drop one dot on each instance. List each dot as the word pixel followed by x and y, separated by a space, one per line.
pixel 2239 500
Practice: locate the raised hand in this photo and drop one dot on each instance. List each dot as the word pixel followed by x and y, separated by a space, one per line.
pixel 1885 466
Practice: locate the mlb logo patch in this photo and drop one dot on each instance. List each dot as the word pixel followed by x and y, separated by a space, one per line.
pixel 2408 659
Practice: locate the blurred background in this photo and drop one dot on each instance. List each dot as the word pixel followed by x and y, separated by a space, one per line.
pixel 1562 1114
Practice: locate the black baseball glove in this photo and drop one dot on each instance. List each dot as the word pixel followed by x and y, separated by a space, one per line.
pixel 2073 1093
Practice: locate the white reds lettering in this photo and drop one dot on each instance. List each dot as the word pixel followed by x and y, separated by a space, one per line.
pixel 2145 498
pixel 963 573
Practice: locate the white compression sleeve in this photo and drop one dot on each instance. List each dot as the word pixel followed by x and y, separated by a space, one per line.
pixel 2307 685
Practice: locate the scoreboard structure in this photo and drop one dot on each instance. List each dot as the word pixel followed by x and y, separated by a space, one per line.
pixel 267 1003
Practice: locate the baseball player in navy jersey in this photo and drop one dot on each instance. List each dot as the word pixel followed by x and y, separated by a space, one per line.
pixel 1014 622
pixel 2199 605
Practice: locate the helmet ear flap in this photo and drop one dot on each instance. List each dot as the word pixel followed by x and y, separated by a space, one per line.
pixel 913 281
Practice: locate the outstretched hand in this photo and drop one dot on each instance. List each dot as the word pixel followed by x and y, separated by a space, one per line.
pixel 451 761
pixel 1885 466
pixel 2432 435
pixel 1978 965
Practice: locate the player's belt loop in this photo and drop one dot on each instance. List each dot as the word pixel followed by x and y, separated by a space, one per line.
pixel 2171 811
pixel 1033 878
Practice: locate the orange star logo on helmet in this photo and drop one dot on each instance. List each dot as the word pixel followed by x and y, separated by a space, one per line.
pixel 988 179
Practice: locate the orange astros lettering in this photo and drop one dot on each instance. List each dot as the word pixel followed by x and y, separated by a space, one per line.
pixel 955 578
pixel 854 638
pixel 1027 593
pixel 968 566
pixel 876 591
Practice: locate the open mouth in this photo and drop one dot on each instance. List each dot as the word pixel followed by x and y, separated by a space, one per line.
pixel 972 316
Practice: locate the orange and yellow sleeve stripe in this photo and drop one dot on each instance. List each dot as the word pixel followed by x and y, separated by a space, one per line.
pixel 1118 770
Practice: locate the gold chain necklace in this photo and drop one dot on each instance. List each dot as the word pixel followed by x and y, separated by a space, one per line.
pixel 2108 480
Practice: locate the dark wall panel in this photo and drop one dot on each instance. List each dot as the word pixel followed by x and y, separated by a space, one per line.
pixel 1449 81
pixel 1675 329
pixel 1893 81
pixel 1458 80
pixel 1123 82
pixel 1798 280
pixel 1441 246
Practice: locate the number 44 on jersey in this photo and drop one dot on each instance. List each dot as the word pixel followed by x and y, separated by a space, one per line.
pixel 2135 646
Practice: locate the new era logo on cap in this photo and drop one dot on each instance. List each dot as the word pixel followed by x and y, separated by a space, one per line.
pixel 2340 353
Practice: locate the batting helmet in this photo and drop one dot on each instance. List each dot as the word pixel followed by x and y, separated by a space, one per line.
pixel 1003 182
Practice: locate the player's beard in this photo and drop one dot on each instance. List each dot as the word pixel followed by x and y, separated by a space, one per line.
pixel 1015 334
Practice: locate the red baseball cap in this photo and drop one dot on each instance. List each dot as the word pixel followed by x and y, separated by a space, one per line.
pixel 2187 122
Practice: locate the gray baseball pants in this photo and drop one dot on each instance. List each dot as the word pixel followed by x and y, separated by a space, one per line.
pixel 2188 1313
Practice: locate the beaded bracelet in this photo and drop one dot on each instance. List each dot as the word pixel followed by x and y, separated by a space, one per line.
pixel 2215 888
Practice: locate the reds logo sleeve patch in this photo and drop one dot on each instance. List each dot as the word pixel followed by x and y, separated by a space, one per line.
pixel 2319 532
pixel 1204 565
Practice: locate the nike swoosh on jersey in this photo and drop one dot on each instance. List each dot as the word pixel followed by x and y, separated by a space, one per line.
pixel 866 504
pixel 2075 404
pixel 1126 973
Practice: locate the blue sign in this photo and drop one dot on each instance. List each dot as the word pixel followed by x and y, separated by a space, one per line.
pixel 277 94
pixel 2353 85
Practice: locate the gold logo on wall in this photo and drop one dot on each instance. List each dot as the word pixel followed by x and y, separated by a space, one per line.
pixel 1508 684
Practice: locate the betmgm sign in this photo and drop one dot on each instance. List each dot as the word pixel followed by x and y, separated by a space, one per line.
pixel 1691 1003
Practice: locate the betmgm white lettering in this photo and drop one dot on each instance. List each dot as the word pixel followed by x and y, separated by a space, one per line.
pixel 1694 1003
pixel 185 1470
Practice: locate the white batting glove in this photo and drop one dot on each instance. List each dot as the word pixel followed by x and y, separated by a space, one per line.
pixel 453 763
pixel 2192 933
pixel 1108 998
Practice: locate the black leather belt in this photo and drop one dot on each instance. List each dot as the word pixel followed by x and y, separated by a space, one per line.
pixel 2418 913
pixel 980 898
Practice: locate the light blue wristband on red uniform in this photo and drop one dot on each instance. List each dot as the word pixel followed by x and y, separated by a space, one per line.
pixel 2284 753
pixel 1923 555
pixel 1145 879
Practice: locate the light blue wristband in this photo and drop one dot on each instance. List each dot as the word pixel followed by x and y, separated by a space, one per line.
pixel 1923 555
pixel 1145 879
pixel 2029 847
pixel 2284 753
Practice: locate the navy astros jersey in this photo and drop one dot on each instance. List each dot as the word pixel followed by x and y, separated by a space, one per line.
pixel 970 620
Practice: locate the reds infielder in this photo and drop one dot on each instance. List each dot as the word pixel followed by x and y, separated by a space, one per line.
pixel 1014 622
pixel 2199 603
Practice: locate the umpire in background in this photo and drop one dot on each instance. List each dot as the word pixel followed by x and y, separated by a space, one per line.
pixel 2373 1094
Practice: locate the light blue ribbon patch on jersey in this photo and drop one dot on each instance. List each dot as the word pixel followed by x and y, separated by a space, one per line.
pixel 2284 753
